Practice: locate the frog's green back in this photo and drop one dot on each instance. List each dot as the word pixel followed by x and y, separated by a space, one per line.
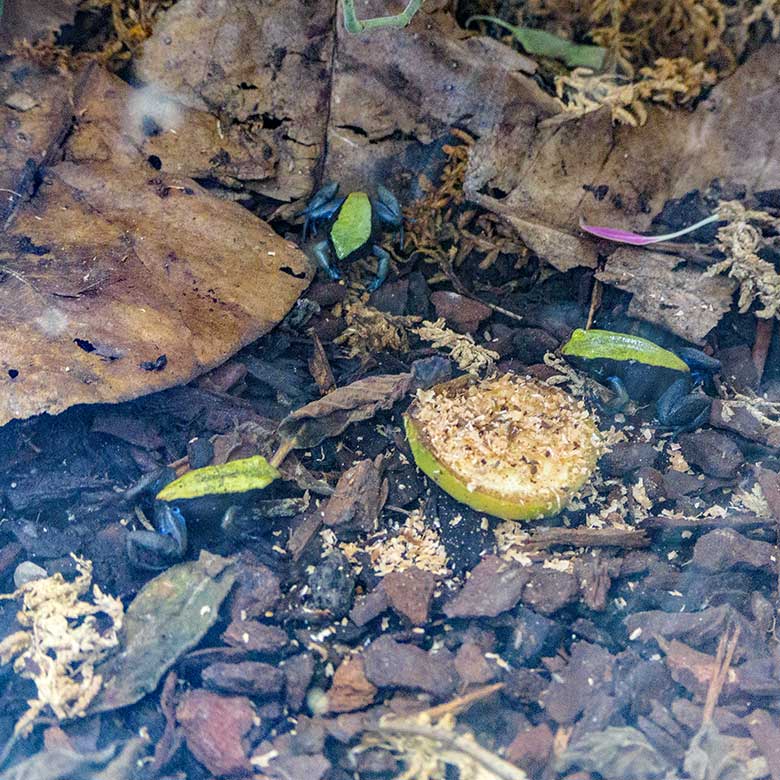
pixel 606 344
pixel 352 228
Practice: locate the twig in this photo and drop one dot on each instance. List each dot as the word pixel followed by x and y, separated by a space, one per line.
pixel 461 289
pixel 142 519
pixel 627 538
pixel 764 329
pixel 595 302
pixel 496 308
pixel 726 648
pixel 736 520
pixel 460 703
pixel 284 450
pixel 180 466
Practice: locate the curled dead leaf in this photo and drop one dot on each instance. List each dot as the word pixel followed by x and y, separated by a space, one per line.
pixel 329 416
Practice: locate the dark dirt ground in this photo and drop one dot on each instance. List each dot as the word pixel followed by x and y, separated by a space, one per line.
pixel 631 636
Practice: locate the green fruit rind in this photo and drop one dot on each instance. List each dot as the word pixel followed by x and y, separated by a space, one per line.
pixel 508 446
pixel 488 503
pixel 352 228
pixel 611 345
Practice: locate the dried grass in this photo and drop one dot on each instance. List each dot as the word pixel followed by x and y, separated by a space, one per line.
pixel 61 642
pixel 469 356
pixel 658 51
pixel 370 331
pixel 740 241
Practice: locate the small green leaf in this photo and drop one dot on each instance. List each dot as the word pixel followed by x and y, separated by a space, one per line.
pixel 353 227
pixel 237 476
pixel 611 345
pixel 168 617
pixel 544 44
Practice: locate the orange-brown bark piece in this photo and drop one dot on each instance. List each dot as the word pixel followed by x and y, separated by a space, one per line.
pixel 350 689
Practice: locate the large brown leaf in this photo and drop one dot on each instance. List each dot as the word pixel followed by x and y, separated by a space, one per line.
pixel 623 176
pixel 34 19
pixel 381 101
pixel 262 69
pixel 395 97
pixel 113 264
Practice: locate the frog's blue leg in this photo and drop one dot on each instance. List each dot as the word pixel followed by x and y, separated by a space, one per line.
pixel 698 360
pixel 158 550
pixel 323 205
pixel 382 268
pixel 702 366
pixel 682 410
pixel 324 257
pixel 171 523
pixel 324 212
pixel 621 399
pixel 388 211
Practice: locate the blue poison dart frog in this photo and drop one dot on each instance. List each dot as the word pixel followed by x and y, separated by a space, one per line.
pixel 354 223
pixel 642 371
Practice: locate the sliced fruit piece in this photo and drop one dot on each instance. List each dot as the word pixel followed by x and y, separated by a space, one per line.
pixel 510 446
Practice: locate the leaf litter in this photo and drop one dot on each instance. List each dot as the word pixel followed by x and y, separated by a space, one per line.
pixel 520 179
pixel 111 264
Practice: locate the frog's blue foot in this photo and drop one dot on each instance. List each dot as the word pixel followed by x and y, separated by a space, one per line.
pixel 681 410
pixel 382 268
pixel 322 206
pixel 388 211
pixel 698 360
pixel 324 258
pixel 158 550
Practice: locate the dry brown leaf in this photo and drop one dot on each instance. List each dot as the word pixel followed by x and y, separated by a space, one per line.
pixel 112 265
pixel 263 80
pixel 665 291
pixel 393 95
pixel 30 137
pixel 329 416
pixel 48 16
pixel 553 175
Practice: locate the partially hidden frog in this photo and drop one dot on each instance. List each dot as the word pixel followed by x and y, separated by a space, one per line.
pixel 640 370
pixel 354 225
pixel 230 491
pixel 158 549
pixel 214 520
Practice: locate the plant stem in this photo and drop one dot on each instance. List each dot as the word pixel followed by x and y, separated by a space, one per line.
pixel 355 26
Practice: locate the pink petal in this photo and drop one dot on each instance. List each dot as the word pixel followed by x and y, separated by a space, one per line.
pixel 621 236
pixel 637 239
